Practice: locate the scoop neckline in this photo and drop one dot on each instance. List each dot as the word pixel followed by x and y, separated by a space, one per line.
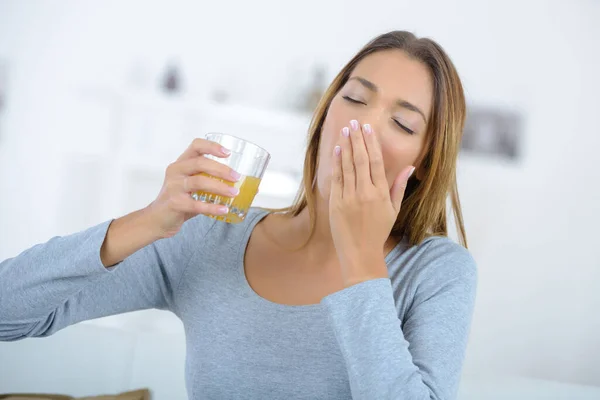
pixel 260 214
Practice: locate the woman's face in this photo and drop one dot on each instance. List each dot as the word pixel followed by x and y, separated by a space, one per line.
pixel 394 94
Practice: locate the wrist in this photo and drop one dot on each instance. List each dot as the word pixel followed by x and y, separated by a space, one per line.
pixel 126 235
pixel 364 268
pixel 151 222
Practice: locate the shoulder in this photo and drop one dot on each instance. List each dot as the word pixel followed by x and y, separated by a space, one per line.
pixel 445 259
pixel 436 257
pixel 437 266
pixel 209 229
pixel 204 238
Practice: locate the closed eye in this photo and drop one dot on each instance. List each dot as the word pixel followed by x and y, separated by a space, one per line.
pixel 398 124
pixel 351 100
pixel 409 131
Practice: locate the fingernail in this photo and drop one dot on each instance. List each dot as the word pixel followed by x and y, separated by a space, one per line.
pixel 223 210
pixel 235 175
pixel 337 150
pixel 367 129
pixel 346 131
pixel 225 151
pixel 234 191
pixel 410 173
pixel 354 125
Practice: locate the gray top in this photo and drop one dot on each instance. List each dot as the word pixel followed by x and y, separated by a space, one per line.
pixel 397 338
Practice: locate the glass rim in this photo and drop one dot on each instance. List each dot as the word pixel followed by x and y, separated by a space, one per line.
pixel 239 138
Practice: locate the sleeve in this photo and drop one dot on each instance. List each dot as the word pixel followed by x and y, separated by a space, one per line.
pixel 420 357
pixel 61 282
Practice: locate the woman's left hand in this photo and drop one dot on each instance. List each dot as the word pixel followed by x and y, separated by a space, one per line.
pixel 362 207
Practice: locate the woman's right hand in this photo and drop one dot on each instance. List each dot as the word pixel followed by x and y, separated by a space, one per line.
pixel 174 204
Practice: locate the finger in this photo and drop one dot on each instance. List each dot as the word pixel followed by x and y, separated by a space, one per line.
pixel 200 147
pixel 186 204
pixel 360 157
pixel 337 179
pixel 200 164
pixel 202 183
pixel 376 165
pixel 348 175
pixel 399 187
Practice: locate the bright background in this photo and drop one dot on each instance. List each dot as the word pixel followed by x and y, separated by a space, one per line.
pixel 86 133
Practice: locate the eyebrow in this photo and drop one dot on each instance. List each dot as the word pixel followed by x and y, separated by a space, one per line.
pixel 400 102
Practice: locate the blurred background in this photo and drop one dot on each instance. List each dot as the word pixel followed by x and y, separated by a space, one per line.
pixel 96 98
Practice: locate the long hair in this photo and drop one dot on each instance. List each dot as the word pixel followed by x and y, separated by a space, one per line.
pixel 424 210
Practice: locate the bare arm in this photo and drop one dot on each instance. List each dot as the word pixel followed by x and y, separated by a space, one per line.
pixel 126 235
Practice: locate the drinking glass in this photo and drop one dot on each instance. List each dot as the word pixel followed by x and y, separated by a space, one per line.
pixel 250 161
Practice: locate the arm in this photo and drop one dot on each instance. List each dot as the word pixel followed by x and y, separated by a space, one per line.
pixel 421 356
pixel 115 267
pixel 64 281
pixel 127 235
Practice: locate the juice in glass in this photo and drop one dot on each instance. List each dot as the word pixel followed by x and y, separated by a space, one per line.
pixel 239 205
pixel 250 161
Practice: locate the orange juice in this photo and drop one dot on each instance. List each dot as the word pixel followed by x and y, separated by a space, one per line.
pixel 239 205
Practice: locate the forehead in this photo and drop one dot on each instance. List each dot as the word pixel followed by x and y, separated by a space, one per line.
pixel 398 76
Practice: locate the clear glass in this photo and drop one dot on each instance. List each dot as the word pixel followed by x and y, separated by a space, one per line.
pixel 250 161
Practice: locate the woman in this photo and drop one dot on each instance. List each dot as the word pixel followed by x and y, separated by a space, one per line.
pixel 353 292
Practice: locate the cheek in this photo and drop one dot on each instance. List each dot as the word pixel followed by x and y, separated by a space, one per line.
pixel 330 134
pixel 398 153
pixel 338 116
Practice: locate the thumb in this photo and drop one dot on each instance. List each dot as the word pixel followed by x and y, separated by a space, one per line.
pixel 399 187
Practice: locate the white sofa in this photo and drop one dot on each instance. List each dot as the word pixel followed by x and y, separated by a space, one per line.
pixel 103 356
pixel 147 349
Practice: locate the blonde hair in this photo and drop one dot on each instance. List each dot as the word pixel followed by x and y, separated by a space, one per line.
pixel 423 212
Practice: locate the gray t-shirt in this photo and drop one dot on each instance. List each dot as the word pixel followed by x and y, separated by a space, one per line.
pixel 397 338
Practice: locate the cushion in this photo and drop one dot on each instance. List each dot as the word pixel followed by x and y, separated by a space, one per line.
pixel 31 396
pixel 142 394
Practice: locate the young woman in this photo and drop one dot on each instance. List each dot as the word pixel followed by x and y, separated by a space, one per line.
pixel 355 291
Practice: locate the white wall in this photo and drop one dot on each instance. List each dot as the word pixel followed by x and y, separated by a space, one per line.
pixel 532 225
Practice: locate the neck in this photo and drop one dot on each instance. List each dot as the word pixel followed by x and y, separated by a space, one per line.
pixel 321 238
pixel 293 233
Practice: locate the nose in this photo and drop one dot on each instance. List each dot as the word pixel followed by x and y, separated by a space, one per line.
pixel 374 116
